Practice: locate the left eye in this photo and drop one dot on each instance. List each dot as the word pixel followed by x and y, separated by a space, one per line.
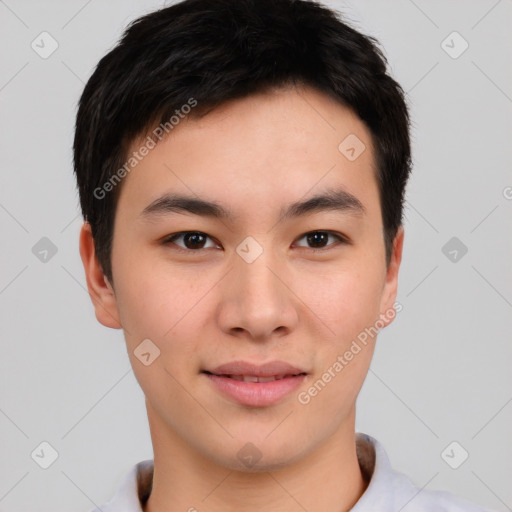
pixel 195 240
pixel 319 237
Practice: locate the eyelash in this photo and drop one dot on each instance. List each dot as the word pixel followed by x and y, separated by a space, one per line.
pixel 172 238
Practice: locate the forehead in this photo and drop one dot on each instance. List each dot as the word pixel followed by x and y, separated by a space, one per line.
pixel 269 147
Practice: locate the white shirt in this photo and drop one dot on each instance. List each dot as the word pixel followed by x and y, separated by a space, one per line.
pixel 387 491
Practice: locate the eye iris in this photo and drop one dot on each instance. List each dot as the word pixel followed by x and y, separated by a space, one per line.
pixel 197 239
pixel 316 237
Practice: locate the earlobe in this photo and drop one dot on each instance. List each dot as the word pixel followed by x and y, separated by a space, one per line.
pixel 387 310
pixel 100 290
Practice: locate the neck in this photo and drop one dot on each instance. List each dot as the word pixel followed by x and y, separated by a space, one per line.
pixel 328 479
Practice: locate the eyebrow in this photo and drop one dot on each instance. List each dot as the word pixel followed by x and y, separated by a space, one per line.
pixel 338 200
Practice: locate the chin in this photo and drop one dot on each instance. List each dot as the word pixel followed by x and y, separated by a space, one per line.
pixel 255 456
pixel 264 465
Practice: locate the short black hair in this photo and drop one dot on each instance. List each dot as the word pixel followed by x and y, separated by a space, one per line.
pixel 213 51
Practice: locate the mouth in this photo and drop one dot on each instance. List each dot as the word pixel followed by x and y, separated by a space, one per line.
pixel 255 385
pixel 240 370
pixel 256 378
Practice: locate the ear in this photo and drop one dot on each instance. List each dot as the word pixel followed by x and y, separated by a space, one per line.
pixel 100 290
pixel 391 285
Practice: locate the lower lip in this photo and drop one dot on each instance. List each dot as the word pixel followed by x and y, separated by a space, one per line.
pixel 256 394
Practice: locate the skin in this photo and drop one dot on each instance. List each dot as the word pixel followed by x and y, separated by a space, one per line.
pixel 254 156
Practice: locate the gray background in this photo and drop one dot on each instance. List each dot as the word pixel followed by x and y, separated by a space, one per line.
pixel 441 371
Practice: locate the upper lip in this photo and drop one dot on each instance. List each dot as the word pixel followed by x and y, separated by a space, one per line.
pixel 269 369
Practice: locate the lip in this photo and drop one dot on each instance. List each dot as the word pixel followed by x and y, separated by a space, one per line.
pixel 269 369
pixel 256 394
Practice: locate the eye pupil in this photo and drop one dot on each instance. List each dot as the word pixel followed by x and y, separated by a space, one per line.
pixel 316 237
pixel 197 239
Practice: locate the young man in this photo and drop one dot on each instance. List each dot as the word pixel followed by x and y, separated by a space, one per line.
pixel 241 167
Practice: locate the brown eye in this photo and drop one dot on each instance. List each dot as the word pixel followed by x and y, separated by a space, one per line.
pixel 317 240
pixel 192 240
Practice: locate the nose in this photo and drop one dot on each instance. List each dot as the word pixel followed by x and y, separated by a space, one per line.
pixel 257 302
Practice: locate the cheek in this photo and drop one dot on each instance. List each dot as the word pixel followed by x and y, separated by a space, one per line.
pixel 166 318
pixel 167 309
pixel 346 301
pixel 147 294
pixel 349 306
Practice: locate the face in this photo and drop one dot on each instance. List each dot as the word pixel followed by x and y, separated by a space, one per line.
pixel 264 283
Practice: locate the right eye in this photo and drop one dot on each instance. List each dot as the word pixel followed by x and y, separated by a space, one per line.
pixel 193 241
